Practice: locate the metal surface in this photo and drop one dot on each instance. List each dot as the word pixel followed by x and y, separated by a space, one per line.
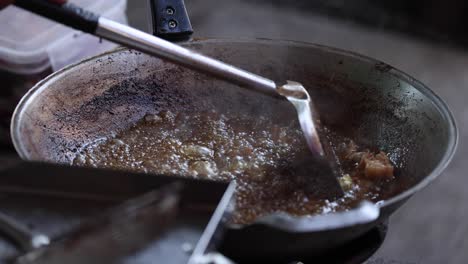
pixel 365 213
pixel 214 230
pixel 379 107
pixel 90 184
pixel 129 228
pixel 45 183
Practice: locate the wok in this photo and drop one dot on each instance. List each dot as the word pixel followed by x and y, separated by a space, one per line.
pixel 365 99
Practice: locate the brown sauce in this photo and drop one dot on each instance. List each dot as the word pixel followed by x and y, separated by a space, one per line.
pixel 253 151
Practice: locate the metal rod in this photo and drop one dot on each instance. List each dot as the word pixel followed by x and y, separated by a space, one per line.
pixel 152 45
pixel 213 230
pixel 25 239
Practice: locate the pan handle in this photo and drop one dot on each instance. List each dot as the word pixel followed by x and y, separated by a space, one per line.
pixel 365 213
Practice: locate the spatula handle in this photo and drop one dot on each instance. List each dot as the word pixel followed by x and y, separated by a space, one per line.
pixel 62 12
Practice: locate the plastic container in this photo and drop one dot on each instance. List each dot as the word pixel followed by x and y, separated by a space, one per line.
pixel 30 44
pixel 32 47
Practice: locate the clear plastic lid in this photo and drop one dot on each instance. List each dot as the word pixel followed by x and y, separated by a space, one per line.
pixel 27 41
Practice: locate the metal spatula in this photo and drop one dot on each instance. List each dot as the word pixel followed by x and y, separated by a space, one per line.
pixel 86 21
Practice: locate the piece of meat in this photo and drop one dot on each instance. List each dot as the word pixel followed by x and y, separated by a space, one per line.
pixel 372 166
pixel 352 153
pixel 376 166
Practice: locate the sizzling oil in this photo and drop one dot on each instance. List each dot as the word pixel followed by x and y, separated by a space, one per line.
pixel 209 145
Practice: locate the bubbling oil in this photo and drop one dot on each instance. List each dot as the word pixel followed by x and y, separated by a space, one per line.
pixel 254 152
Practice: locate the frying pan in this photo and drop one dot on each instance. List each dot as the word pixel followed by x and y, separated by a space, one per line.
pixel 367 100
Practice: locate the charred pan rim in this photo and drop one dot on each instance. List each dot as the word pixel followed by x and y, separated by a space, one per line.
pixel 449 151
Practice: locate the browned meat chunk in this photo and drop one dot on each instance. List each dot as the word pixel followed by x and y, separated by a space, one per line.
pixel 352 154
pixel 376 166
pixel 372 166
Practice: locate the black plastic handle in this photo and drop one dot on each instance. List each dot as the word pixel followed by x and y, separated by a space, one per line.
pixel 170 20
pixel 67 13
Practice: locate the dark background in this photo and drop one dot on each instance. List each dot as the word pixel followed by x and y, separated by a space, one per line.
pixel 434 20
